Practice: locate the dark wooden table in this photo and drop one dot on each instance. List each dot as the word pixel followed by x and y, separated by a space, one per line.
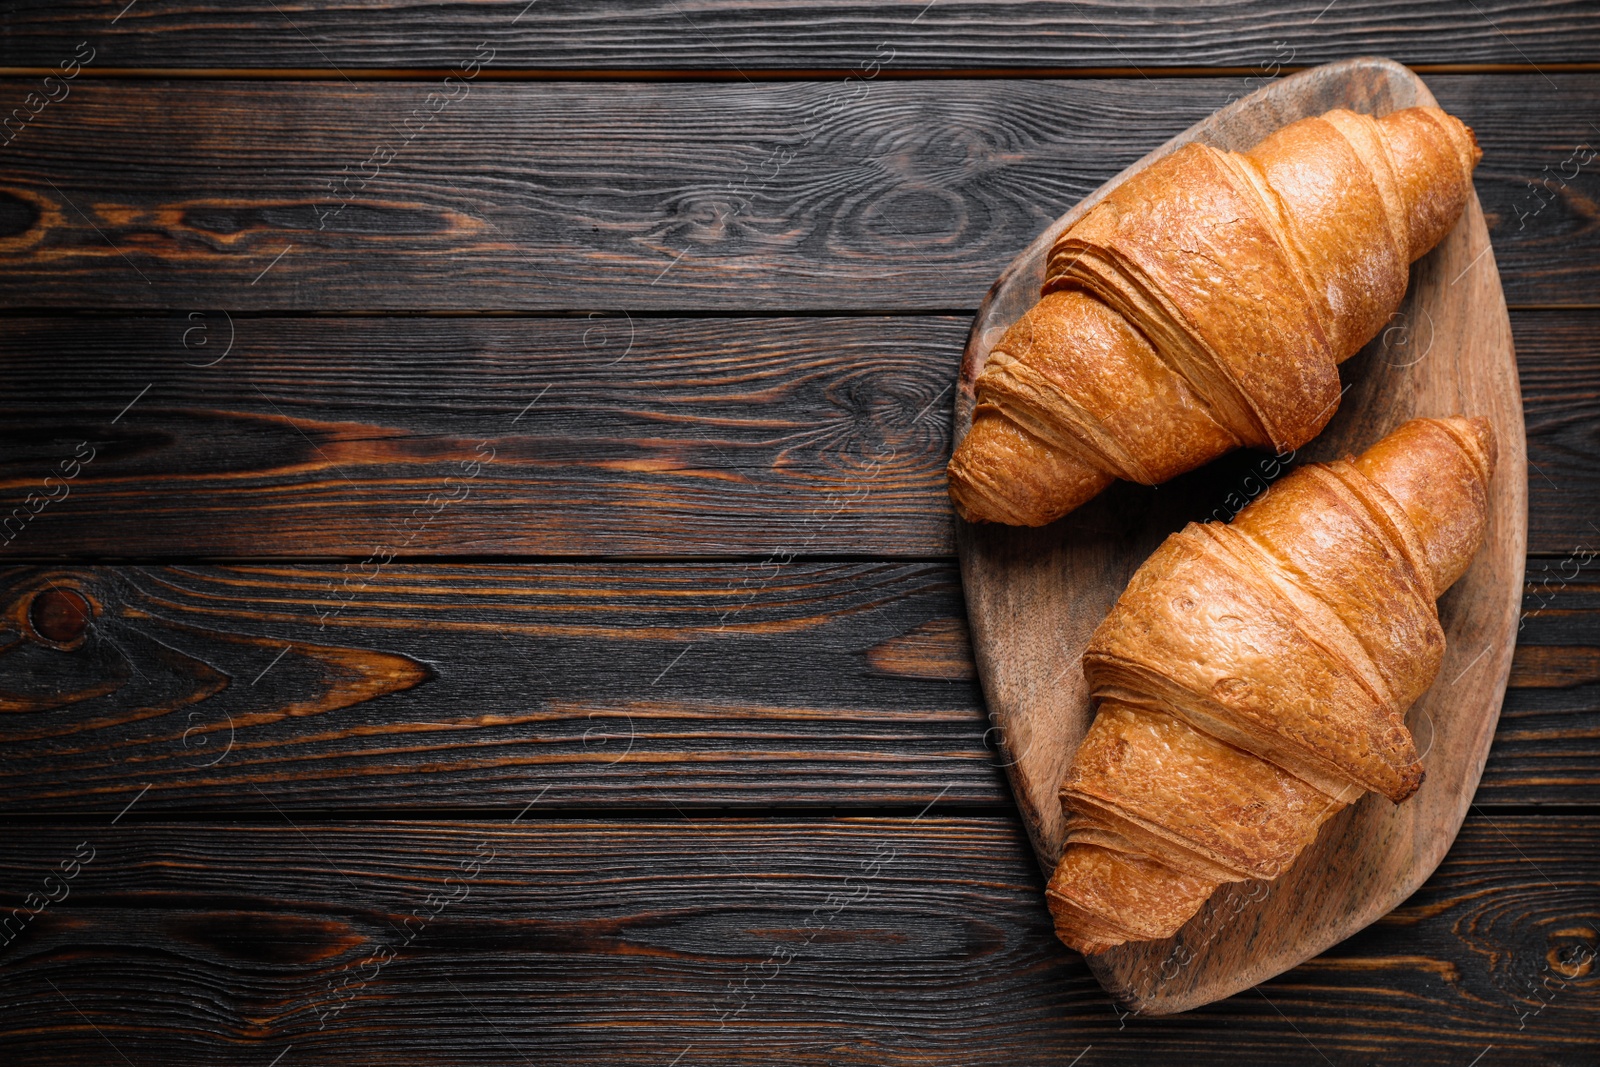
pixel 477 580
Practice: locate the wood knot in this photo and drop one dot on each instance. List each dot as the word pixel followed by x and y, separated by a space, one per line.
pixel 60 617
pixel 17 216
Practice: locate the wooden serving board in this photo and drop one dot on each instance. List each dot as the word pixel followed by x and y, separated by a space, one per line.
pixel 1035 595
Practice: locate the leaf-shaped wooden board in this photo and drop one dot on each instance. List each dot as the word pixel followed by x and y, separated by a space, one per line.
pixel 1035 595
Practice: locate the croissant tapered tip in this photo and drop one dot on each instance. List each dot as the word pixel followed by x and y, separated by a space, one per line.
pixel 1480 432
pixel 1472 141
pixel 1475 436
pixel 1002 473
pixel 1438 470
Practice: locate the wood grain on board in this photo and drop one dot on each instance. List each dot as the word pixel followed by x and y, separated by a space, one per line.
pixel 732 36
pixel 672 196
pixel 609 436
pixel 872 940
pixel 454 687
pixel 1035 595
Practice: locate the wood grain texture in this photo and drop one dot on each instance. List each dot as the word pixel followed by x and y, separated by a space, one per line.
pixel 1563 451
pixel 883 941
pixel 1552 678
pixel 574 436
pixel 758 684
pixel 726 35
pixel 872 195
pixel 646 436
pixel 1036 595
pixel 801 683
pixel 453 687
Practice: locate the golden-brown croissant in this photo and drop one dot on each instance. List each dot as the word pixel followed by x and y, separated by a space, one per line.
pixel 1205 304
pixel 1254 677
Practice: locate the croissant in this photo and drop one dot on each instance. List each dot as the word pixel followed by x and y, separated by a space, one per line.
pixel 1205 304
pixel 1253 680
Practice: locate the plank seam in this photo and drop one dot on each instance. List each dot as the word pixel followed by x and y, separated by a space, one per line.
pixel 717 74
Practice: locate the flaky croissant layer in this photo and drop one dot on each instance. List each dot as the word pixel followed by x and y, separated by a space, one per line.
pixel 1204 304
pixel 1254 677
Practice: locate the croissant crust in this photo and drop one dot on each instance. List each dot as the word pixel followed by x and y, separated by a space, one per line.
pixel 1205 303
pixel 1254 677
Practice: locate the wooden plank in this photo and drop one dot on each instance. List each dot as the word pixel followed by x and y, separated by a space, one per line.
pixel 885 196
pixel 750 37
pixel 448 686
pixel 758 684
pixel 645 436
pixel 728 941
pixel 1555 679
pixel 1558 385
pixel 576 436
